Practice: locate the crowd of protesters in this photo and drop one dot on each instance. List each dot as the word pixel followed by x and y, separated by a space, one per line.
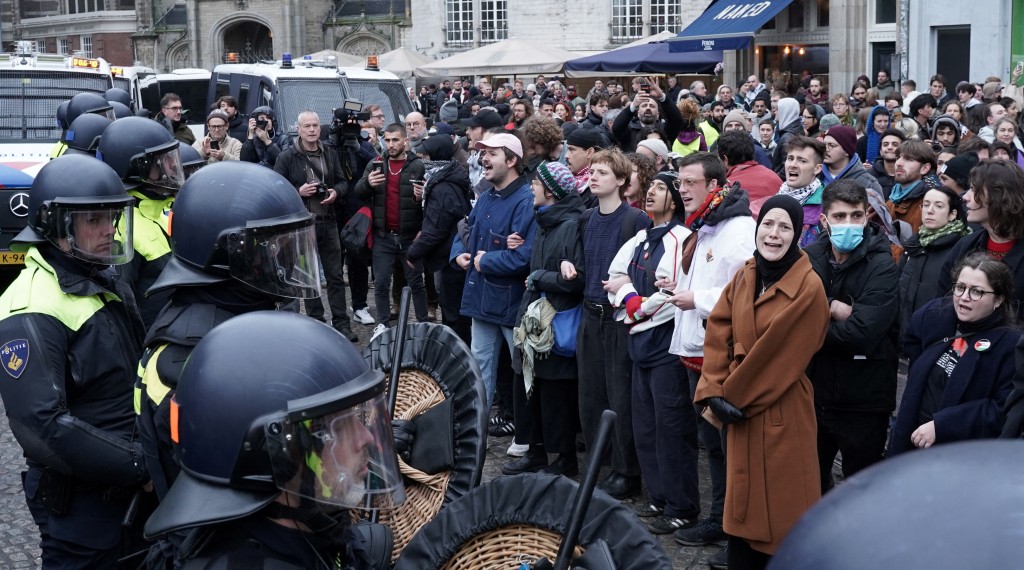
pixel 741 268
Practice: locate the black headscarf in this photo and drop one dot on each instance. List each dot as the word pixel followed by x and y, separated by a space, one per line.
pixel 769 272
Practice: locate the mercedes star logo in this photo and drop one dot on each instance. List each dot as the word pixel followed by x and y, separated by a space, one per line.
pixel 19 204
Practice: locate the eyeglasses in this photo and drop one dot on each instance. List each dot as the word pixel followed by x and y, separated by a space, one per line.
pixel 221 126
pixel 178 108
pixel 377 116
pixel 831 146
pixel 973 293
pixel 687 182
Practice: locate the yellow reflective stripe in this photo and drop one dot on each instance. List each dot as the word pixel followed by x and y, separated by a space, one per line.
pixel 156 390
pixel 57 149
pixel 36 290
pixel 148 236
pixel 137 389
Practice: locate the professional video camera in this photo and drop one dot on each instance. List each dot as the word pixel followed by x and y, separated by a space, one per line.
pixel 346 123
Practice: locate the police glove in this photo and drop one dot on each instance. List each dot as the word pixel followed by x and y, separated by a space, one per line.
pixel 725 411
pixel 404 432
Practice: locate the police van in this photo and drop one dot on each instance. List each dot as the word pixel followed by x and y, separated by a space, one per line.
pixel 130 78
pixel 32 86
pixel 290 87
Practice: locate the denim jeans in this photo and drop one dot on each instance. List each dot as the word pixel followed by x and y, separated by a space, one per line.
pixel 487 339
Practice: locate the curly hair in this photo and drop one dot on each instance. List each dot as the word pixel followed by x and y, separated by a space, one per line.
pixel 543 131
pixel 999 276
pixel 999 185
pixel 644 173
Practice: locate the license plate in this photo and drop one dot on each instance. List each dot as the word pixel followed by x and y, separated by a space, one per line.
pixel 11 258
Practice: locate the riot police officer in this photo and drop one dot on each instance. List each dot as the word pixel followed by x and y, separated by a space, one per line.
pixel 146 157
pixel 83 136
pixel 191 160
pixel 59 147
pixel 70 340
pixel 266 480
pixel 242 241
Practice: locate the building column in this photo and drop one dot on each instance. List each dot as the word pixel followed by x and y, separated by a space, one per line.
pixel 848 48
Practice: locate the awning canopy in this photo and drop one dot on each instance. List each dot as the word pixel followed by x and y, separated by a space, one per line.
pixel 651 58
pixel 727 24
pixel 402 61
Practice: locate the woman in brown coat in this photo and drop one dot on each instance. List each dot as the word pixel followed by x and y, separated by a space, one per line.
pixel 771 318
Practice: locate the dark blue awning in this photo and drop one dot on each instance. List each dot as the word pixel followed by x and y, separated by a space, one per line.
pixel 653 57
pixel 727 24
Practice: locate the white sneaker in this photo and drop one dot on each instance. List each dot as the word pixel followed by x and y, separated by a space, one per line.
pixel 362 316
pixel 517 449
pixel 378 330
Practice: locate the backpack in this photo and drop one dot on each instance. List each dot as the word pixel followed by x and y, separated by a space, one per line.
pixel 357 235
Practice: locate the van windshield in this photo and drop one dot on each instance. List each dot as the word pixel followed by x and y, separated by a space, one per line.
pixel 323 96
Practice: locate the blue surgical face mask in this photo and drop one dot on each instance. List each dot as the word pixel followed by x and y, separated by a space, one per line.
pixel 846 237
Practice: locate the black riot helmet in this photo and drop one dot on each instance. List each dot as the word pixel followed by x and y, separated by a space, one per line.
pixel 239 220
pixel 191 160
pixel 120 110
pixel 62 115
pixel 79 205
pixel 142 151
pixel 83 136
pixel 954 505
pixel 88 103
pixel 305 416
pixel 119 95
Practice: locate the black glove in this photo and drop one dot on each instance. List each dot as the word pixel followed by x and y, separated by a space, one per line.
pixel 723 410
pixel 404 432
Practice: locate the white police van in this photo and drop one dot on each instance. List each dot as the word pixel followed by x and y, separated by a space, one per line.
pixel 290 87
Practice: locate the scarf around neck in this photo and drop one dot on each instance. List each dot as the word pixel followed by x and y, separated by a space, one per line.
pixel 801 194
pixel 714 199
pixel 900 191
pixel 582 179
pixel 926 236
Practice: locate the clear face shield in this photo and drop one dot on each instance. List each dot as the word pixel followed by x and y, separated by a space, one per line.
pixel 99 233
pixel 277 256
pixel 341 459
pixel 161 167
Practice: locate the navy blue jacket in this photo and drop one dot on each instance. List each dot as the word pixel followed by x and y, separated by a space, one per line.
pixel 493 294
pixel 972 403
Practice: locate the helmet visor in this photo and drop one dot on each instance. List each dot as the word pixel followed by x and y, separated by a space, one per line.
pixel 97 233
pixel 343 459
pixel 161 167
pixel 277 256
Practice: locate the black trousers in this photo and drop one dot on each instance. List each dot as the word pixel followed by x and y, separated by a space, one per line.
pixel 88 535
pixel 552 414
pixel 388 250
pixel 358 278
pixel 742 557
pixel 606 380
pixel 328 244
pixel 452 282
pixel 859 436
pixel 711 438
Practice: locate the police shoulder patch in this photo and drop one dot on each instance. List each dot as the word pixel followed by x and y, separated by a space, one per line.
pixel 14 355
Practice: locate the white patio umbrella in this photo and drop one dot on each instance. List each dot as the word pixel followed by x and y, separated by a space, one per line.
pixel 402 61
pixel 344 59
pixel 507 57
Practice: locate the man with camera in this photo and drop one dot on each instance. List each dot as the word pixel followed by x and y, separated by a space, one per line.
pixel 352 141
pixel 315 171
pixel 262 144
pixel 218 145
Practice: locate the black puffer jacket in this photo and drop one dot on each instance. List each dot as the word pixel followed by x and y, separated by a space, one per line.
pixel 446 201
pixel 855 370
pixel 558 238
pixel 410 212
pixel 628 130
pixel 919 273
